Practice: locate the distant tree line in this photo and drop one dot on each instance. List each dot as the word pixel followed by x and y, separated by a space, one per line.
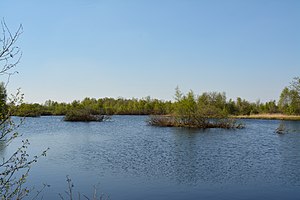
pixel 102 106
pixel 289 103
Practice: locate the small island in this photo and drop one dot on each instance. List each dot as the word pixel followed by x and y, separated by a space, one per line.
pixel 203 111
pixel 84 115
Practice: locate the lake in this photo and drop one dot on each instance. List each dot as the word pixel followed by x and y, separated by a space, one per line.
pixel 127 159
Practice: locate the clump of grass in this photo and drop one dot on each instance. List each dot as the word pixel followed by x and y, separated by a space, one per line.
pixel 281 129
pixel 69 194
pixel 284 128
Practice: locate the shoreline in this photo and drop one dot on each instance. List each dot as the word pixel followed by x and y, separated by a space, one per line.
pixel 254 116
pixel 269 117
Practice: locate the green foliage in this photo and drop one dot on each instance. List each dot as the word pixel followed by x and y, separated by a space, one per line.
pixel 295 85
pixel 205 111
pixel 186 106
pixel 212 104
pixel 104 106
pixel 14 168
pixel 289 102
pixel 3 98
pixel 83 114
pixel 12 183
pixel 243 106
pixel 28 110
pixel 271 107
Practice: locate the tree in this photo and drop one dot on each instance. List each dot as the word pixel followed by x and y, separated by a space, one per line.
pixel 178 94
pixel 14 168
pixel 3 98
pixel 206 111
pixel 295 85
pixel 289 102
pixel 243 106
pixel 210 105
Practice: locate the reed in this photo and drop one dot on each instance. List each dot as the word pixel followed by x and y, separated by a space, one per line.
pixel 269 117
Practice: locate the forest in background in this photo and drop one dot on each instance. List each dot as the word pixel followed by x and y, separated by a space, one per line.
pixel 289 104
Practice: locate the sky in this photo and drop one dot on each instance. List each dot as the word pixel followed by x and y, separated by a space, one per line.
pixel 74 49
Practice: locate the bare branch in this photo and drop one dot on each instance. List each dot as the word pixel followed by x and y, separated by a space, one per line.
pixel 15 168
pixel 10 54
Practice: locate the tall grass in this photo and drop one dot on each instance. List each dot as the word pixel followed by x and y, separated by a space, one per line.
pixel 269 117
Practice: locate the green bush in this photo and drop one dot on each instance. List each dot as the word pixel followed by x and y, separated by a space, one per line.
pixel 83 115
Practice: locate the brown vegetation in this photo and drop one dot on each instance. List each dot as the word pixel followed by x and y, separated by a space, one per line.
pixel 269 117
pixel 201 123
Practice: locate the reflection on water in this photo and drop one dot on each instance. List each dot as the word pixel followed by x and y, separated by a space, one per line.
pixel 290 152
pixel 289 127
pixel 146 162
pixel 185 151
pixel 2 149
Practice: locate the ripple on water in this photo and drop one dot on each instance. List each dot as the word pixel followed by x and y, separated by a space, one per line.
pixel 127 149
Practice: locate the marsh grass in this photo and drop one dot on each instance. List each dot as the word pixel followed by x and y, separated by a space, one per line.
pixel 70 194
pixel 269 117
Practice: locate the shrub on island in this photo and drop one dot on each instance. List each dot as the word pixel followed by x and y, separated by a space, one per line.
pixel 84 115
pixel 205 111
pixel 197 122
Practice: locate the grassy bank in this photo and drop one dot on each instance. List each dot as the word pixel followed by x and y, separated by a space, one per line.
pixel 269 117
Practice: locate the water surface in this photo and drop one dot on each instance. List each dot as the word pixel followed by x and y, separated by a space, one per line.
pixel 127 159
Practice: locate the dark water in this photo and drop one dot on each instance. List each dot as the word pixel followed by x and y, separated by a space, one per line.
pixel 126 159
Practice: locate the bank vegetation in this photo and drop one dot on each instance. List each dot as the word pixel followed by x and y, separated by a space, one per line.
pixel 211 104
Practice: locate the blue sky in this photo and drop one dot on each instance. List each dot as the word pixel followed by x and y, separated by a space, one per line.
pixel 107 48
